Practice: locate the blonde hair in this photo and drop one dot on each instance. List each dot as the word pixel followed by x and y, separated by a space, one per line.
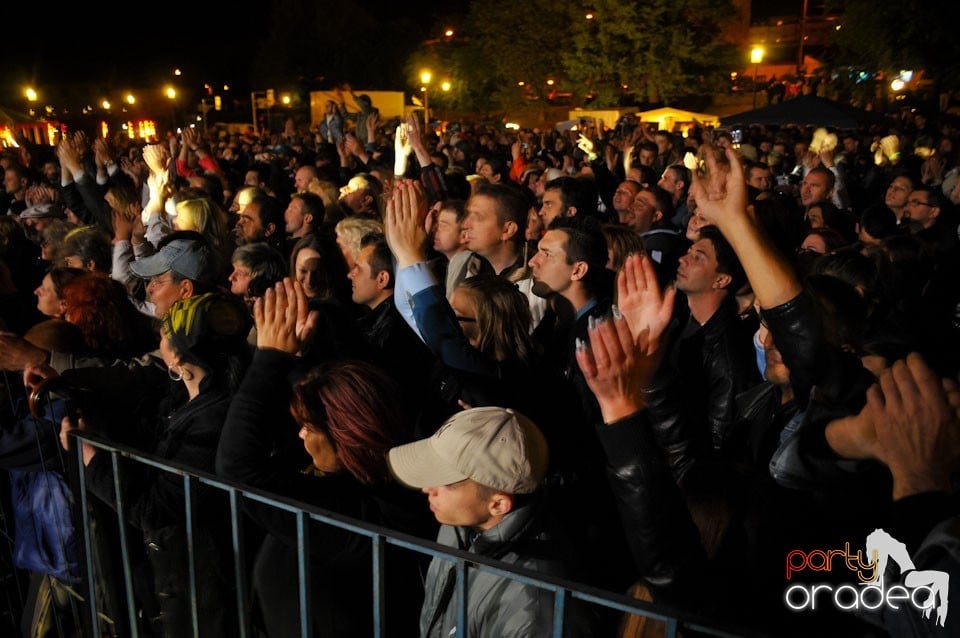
pixel 352 230
pixel 204 216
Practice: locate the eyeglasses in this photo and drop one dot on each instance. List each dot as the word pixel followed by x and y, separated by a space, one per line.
pixel 156 281
pixel 917 202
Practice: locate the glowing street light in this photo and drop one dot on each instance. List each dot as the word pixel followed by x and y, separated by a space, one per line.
pixel 105 104
pixel 31 94
pixel 285 98
pixel 425 77
pixel 445 85
pixel 130 99
pixel 756 57
pixel 171 92
pixel 448 33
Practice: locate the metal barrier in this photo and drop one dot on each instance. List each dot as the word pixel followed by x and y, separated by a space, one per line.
pixel 564 590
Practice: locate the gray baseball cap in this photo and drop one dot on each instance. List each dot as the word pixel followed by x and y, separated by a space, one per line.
pixel 186 257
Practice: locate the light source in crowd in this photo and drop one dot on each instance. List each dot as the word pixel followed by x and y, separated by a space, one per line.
pixel 898 84
pixel 448 33
pixel 106 105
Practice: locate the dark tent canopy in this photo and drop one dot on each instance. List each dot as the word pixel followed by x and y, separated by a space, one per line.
pixel 807 110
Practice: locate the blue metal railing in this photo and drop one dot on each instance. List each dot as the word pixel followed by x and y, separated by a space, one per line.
pixel 380 537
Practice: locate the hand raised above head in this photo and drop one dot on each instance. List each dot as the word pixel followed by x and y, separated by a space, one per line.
pixel 404 223
pixel 721 188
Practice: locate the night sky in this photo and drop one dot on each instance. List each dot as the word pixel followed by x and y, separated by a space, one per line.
pixel 215 41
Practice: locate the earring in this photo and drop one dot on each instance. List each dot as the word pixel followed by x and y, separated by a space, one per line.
pixel 175 376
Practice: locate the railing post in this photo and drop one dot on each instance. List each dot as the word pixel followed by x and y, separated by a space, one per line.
pixel 188 483
pixel 303 569
pixel 124 545
pixel 239 566
pixel 559 610
pixel 461 598
pixel 379 586
pixel 87 542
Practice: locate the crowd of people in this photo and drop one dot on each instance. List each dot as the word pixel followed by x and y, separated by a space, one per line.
pixel 648 362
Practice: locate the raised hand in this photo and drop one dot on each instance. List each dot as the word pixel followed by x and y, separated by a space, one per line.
pixel 911 423
pixel 646 311
pixel 616 370
pixel 404 223
pixel 586 145
pixel 41 194
pixel 282 317
pixel 721 190
pixel 155 157
pixel 402 148
pixel 102 154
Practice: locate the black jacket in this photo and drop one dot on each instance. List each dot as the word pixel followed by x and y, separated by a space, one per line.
pixel 260 448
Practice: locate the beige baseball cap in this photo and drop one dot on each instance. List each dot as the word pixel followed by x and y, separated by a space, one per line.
pixel 496 447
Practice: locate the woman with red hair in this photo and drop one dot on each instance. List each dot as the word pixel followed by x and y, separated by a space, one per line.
pixel 348 417
pixel 110 324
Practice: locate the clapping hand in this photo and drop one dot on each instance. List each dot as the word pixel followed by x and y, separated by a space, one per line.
pixel 283 318
pixel 615 368
pixel 646 311
pixel 404 223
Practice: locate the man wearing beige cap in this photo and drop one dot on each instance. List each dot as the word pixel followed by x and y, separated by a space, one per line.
pixel 481 471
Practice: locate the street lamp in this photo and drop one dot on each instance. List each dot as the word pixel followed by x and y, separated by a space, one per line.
pixel 756 57
pixel 425 77
pixel 172 94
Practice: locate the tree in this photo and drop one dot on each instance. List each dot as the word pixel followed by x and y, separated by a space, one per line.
pixel 909 34
pixel 664 49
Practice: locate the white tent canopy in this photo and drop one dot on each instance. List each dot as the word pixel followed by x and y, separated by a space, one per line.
pixel 668 118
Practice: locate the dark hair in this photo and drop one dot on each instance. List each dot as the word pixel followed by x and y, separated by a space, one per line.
pixel 826 172
pixel 842 311
pixel 878 221
pixel 727 261
pixel 587 243
pixel 458 206
pixel 356 404
pixel 89 243
pixel 853 267
pixel 267 266
pixel 574 192
pixel 621 241
pixel 314 206
pixel 63 275
pixel 664 203
pixel 832 239
pixel 511 206
pixel 381 259
pixel 681 173
pixel 330 275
